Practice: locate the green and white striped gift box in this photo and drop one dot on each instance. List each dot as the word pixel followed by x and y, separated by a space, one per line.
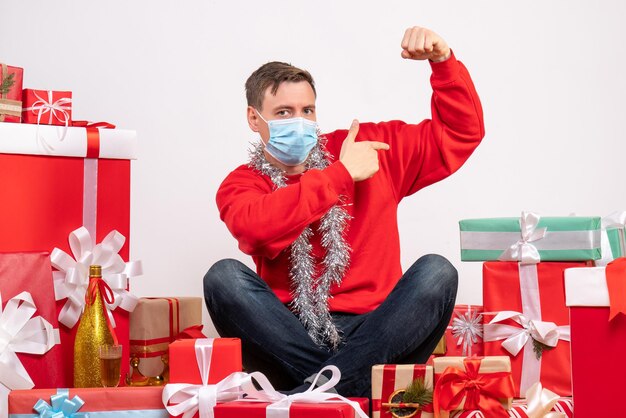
pixel 571 238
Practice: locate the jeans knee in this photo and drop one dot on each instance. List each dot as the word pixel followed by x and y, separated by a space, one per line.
pixel 436 275
pixel 222 277
pixel 447 275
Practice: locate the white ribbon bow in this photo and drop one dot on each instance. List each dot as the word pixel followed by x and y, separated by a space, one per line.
pixel 539 403
pixel 614 220
pixel 72 279
pixel 523 250
pixel 467 329
pixel 187 399
pixel 515 338
pixel 22 332
pixel 281 403
pixel 58 109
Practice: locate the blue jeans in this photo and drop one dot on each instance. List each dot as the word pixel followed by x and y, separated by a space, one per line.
pixel 405 328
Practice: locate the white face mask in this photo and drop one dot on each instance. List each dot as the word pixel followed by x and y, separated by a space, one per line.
pixel 291 140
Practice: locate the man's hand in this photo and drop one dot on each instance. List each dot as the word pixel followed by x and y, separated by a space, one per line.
pixel 360 158
pixel 424 44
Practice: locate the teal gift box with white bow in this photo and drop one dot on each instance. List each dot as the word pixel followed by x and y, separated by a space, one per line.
pixel 531 239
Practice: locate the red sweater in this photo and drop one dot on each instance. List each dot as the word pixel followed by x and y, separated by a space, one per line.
pixel 266 221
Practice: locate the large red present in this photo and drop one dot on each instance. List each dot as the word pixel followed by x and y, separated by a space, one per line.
pixel 29 354
pixel 128 402
pixel 47 107
pixel 49 190
pixel 464 335
pixel 10 93
pixel 390 381
pixel 531 322
pixel 598 342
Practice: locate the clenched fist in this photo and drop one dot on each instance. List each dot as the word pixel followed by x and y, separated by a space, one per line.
pixel 360 158
pixel 424 44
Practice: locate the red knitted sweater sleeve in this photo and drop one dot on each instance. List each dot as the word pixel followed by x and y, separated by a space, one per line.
pixel 424 153
pixel 265 221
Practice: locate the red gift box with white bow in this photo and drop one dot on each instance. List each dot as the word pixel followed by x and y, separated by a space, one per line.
pixel 52 184
pixel 47 107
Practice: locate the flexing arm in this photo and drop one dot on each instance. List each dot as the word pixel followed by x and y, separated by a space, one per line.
pixel 424 153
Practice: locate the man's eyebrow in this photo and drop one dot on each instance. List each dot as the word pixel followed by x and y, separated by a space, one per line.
pixel 289 107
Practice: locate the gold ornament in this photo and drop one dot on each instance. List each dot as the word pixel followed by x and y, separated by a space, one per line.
pixel 93 331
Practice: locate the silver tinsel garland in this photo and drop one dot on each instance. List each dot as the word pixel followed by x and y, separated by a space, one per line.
pixel 310 288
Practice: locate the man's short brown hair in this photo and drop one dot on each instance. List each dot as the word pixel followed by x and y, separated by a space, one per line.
pixel 272 75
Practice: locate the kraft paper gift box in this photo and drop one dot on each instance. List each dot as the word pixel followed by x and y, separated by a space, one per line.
pixel 464 335
pixel 30 355
pixel 598 339
pixel 239 409
pixel 47 107
pixel 554 238
pixel 491 385
pixel 390 380
pixel 10 93
pixel 157 322
pixel 127 402
pixel 525 312
pixel 50 187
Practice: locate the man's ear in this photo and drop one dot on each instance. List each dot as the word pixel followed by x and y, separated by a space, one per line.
pixel 253 119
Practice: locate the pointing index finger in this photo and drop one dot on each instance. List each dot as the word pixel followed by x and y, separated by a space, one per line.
pixel 354 130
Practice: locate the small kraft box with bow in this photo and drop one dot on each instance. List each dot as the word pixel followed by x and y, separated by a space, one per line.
pixel 154 324
pixel 10 93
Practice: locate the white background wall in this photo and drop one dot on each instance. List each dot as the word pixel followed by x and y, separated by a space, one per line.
pixel 550 76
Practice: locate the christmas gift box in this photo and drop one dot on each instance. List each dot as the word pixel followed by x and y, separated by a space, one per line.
pixel 154 324
pixel 473 383
pixel 539 403
pixel 596 297
pixel 464 335
pixel 10 93
pixel 526 318
pixel 239 409
pixel 47 107
pixel 613 238
pixel 29 352
pixel 199 366
pixel 530 238
pixel 128 402
pixel 262 400
pixel 222 357
pixel 395 385
pixel 52 188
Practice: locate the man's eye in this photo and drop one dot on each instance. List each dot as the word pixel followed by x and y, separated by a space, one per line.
pixel 282 113
pixel 309 111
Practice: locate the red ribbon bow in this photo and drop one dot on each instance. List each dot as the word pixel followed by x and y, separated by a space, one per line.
pixel 193 332
pixel 95 284
pixel 616 283
pixel 481 391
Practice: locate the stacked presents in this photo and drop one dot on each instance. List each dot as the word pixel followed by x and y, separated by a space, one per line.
pixel 65 304
pixel 550 325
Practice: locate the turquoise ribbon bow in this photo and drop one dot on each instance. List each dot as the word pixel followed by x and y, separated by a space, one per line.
pixel 62 406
